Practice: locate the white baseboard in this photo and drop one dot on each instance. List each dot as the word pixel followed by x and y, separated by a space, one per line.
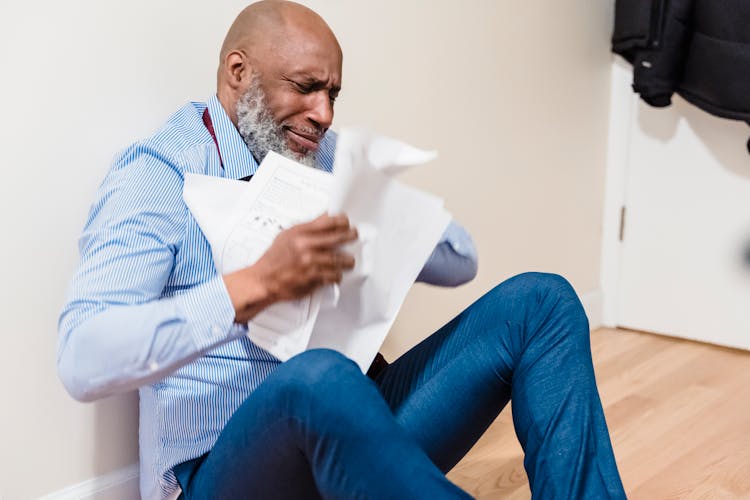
pixel 593 304
pixel 117 485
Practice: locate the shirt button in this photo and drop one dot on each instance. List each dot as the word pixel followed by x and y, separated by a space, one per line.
pixel 153 366
pixel 217 331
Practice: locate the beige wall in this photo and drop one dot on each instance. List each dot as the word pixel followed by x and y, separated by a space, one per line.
pixel 514 95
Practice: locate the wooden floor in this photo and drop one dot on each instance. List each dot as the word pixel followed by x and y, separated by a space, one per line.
pixel 678 413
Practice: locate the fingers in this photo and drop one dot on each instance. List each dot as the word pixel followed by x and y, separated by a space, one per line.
pixel 307 256
pixel 327 223
pixel 327 231
pixel 337 260
pixel 320 262
pixel 333 239
pixel 345 260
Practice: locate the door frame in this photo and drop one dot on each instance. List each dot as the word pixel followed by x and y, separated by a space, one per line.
pixel 622 110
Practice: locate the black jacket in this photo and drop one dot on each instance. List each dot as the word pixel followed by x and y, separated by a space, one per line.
pixel 697 48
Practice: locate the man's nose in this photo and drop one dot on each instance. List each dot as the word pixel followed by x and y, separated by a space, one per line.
pixel 321 110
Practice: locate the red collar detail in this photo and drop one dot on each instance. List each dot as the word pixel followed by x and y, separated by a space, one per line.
pixel 210 126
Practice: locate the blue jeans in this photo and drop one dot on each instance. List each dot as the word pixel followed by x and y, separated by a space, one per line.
pixel 317 427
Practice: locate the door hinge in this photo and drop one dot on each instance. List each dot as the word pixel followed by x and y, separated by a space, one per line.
pixel 622 223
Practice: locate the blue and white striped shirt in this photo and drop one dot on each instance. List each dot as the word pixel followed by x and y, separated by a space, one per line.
pixel 148 311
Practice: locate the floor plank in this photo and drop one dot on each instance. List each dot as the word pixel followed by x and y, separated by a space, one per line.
pixel 678 413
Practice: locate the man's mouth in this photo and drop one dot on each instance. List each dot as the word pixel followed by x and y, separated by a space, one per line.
pixel 303 142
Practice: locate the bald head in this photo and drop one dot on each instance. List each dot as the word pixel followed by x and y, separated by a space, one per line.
pixel 286 53
pixel 263 23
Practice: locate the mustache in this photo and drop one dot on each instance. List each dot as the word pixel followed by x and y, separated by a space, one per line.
pixel 313 132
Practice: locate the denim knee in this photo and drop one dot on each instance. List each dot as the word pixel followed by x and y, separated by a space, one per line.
pixel 535 285
pixel 321 377
pixel 318 367
pixel 314 364
pixel 544 293
pixel 535 280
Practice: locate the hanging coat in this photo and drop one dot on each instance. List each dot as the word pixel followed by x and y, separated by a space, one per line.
pixel 697 48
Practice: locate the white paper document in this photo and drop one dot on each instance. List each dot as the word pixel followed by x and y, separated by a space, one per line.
pixel 398 227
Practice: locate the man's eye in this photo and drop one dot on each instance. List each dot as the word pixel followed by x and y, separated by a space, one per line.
pixel 303 88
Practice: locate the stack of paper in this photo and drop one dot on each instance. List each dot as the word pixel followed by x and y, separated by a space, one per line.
pixel 398 228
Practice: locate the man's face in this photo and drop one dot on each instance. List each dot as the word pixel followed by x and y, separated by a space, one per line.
pixel 289 104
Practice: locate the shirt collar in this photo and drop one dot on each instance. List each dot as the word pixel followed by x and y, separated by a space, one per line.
pixel 236 156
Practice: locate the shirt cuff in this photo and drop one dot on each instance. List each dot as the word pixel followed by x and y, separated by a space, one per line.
pixel 209 310
pixel 459 240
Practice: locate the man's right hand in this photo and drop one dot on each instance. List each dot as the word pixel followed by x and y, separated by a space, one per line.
pixel 300 260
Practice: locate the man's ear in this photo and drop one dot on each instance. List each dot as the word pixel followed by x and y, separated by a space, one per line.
pixel 238 72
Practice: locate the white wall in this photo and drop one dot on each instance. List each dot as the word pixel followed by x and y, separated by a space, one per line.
pixel 513 94
pixel 80 80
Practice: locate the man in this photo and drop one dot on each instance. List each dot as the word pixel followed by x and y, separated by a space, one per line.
pixel 220 417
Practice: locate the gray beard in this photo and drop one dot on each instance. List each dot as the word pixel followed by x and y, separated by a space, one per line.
pixel 259 130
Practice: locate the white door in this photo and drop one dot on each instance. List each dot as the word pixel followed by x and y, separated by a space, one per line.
pixel 685 253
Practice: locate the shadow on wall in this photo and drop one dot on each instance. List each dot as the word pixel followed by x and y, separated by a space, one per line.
pixel 725 139
pixel 115 433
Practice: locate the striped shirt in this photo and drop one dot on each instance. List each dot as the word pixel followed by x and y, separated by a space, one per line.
pixel 147 310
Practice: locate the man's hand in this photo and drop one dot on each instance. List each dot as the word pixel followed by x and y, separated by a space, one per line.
pixel 300 260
